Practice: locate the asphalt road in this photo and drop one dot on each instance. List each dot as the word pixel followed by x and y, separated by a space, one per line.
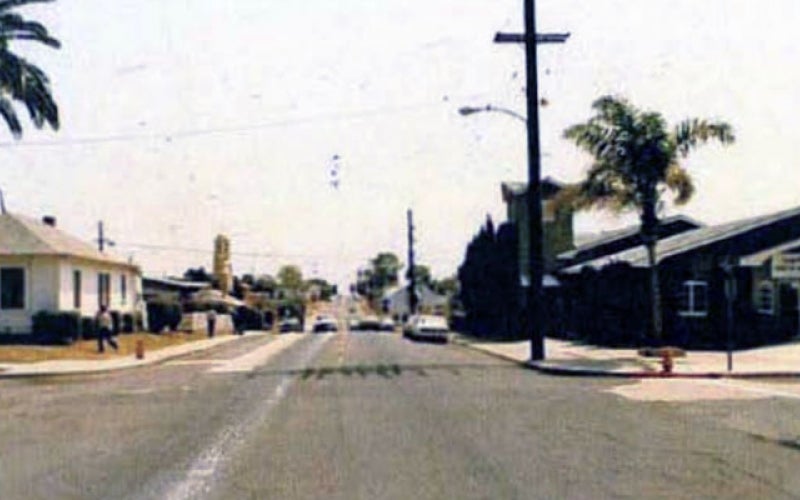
pixel 371 415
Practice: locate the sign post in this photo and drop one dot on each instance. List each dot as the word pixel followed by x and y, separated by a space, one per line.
pixel 728 265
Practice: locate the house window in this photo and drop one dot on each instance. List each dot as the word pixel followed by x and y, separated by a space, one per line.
pixel 766 298
pixel 123 288
pixel 12 288
pixel 103 289
pixel 76 289
pixel 693 299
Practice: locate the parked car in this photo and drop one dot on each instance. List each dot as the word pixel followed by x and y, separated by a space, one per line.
pixel 370 323
pixel 387 324
pixel 324 323
pixel 354 324
pixel 427 327
pixel 290 325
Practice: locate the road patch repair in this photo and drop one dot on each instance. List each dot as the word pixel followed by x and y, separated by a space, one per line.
pixel 257 357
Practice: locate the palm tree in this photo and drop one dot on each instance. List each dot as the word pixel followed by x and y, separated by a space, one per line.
pixel 636 160
pixel 20 80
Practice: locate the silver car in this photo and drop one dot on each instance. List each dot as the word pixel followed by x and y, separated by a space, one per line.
pixel 428 327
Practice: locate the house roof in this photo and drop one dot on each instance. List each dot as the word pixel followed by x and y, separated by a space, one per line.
pixel 177 284
pixel 612 236
pixel 424 294
pixel 23 236
pixel 687 241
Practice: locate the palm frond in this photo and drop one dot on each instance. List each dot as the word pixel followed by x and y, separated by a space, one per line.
pixel 10 117
pixel 10 4
pixel 14 27
pixel 680 182
pixel 691 132
pixel 25 82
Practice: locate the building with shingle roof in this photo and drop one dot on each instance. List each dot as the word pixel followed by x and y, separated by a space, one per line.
pixel 740 277
pixel 43 268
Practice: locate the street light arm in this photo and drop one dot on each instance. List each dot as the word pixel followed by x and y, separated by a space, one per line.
pixel 468 110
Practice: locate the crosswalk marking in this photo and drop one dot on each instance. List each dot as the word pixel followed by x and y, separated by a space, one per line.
pixel 248 362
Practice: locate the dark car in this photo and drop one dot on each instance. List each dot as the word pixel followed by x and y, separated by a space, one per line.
pixel 370 323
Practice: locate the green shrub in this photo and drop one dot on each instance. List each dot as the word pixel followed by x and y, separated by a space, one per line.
pixel 88 328
pixel 162 315
pixel 116 322
pixel 131 322
pixel 62 327
pixel 246 318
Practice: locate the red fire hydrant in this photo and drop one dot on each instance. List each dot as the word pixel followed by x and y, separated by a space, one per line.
pixel 666 361
pixel 140 349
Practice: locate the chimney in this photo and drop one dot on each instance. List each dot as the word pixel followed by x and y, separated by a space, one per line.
pixel 49 220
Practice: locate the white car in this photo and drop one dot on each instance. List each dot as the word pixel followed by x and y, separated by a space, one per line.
pixel 387 324
pixel 325 323
pixel 428 327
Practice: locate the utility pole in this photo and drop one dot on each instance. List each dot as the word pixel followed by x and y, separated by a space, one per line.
pixel 534 315
pixel 412 287
pixel 101 239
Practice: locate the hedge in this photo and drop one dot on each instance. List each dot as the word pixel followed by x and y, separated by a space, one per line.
pixel 161 314
pixel 57 327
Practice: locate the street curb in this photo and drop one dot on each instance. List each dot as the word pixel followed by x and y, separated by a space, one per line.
pixel 564 371
pixel 137 364
pixel 468 345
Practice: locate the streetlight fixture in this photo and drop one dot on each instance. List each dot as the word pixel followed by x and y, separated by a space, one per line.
pixel 469 110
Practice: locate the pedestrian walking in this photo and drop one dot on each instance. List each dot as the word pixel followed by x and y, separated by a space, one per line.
pixel 104 327
pixel 211 319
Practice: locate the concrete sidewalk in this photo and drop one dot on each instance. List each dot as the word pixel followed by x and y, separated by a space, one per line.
pixel 573 358
pixel 84 366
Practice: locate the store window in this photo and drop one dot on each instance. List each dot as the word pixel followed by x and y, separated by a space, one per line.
pixel 12 288
pixel 693 299
pixel 766 298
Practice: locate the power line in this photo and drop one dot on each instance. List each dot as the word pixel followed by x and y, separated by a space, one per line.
pixel 208 251
pixel 242 129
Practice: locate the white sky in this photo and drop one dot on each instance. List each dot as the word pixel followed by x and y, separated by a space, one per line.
pixel 183 119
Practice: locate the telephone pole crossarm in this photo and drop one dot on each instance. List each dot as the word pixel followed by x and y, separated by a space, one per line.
pixel 540 37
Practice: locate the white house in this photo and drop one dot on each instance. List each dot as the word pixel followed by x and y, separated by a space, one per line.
pixel 395 301
pixel 43 268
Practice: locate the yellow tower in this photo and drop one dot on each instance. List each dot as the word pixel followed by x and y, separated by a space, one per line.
pixel 223 274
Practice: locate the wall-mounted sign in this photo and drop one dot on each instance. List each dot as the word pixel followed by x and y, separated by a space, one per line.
pixel 786 266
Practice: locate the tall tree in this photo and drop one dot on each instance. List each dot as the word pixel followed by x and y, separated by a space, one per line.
pixel 385 267
pixel 422 274
pixel 636 161
pixel 20 80
pixel 290 277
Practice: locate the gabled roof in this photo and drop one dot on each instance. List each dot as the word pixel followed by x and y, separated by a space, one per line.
pixel 23 236
pixel 424 294
pixel 688 241
pixel 669 227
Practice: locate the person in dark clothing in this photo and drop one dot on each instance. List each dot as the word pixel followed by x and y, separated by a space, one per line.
pixel 104 326
pixel 211 318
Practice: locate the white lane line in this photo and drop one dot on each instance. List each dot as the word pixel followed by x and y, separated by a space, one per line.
pixel 253 359
pixel 198 479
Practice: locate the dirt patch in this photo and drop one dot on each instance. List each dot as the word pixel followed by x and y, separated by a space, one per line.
pixel 87 349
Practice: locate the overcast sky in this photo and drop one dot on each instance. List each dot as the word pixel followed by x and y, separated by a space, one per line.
pixel 182 119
